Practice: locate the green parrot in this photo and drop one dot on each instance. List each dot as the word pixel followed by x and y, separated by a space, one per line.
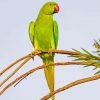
pixel 43 34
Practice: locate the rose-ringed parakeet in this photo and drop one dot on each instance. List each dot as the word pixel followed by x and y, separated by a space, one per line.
pixel 43 34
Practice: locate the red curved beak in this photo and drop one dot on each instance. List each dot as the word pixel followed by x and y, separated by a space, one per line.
pixel 56 8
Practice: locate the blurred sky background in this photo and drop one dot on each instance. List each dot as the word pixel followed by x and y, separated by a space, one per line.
pixel 79 25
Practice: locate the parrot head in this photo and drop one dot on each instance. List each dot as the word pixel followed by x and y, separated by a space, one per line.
pixel 50 8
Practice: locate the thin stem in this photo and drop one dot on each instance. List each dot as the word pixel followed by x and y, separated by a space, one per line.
pixel 71 85
pixel 36 53
pixel 14 71
pixel 11 65
pixel 38 68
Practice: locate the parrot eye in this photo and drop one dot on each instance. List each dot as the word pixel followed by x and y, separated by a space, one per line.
pixel 50 4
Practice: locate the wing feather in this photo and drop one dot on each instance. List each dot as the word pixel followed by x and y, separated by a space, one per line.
pixel 56 33
pixel 31 32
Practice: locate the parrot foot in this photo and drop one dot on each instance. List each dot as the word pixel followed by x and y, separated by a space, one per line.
pixel 51 53
pixel 38 51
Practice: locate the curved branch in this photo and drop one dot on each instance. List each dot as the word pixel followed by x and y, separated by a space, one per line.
pixel 38 68
pixel 37 53
pixel 8 77
pixel 71 85
pixel 15 62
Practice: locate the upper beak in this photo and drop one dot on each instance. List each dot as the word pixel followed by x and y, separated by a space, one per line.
pixel 56 8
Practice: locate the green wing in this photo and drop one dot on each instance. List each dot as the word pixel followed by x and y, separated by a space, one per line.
pixel 56 33
pixel 31 32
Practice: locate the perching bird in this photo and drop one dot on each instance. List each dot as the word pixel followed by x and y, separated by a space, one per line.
pixel 43 34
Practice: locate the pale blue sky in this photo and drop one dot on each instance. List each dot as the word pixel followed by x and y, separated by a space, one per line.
pixel 79 25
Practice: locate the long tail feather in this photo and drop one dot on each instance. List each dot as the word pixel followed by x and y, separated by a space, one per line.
pixel 49 74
